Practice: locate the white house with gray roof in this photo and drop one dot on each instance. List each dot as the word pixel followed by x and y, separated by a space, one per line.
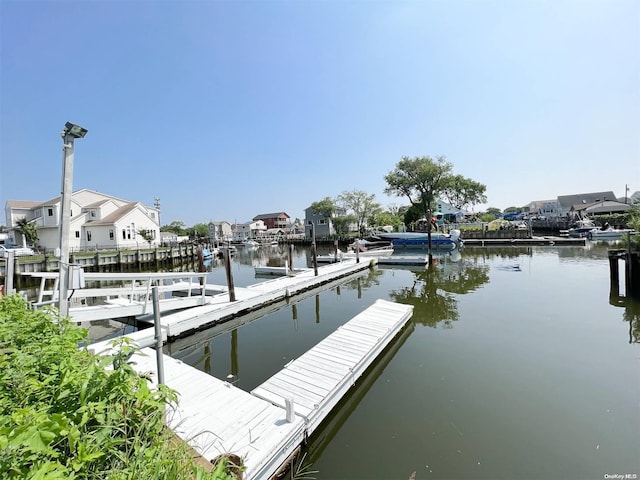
pixel 98 221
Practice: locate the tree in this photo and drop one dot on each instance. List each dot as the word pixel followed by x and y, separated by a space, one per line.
pixel 199 230
pixel 146 234
pixel 176 227
pixel 493 211
pixel 361 204
pixel 461 192
pixel 511 210
pixel 420 179
pixel 28 230
pixel 325 207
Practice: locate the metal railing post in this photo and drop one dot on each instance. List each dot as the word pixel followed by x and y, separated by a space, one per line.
pixel 158 335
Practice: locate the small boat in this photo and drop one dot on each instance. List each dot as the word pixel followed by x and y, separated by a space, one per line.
pixel 581 228
pixel 250 243
pixel 607 233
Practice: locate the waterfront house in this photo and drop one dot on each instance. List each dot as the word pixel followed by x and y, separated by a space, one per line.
pixel 275 220
pixel 323 226
pixel 97 221
pixel 572 206
pixel 248 230
pixel 220 231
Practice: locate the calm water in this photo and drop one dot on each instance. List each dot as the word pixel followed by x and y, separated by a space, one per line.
pixel 516 365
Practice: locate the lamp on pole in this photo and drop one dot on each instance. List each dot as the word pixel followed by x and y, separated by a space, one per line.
pixel 69 134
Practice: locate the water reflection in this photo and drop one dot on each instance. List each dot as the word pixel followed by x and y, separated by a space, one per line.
pixel 631 313
pixel 434 288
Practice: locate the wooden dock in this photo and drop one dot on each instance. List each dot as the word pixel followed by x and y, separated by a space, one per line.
pixel 265 427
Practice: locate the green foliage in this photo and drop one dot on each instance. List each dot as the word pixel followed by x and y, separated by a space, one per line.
pixel 68 414
pixel 29 230
pixel 361 204
pixel 175 227
pixel 146 234
pixel 199 230
pixel 420 179
pixel 325 207
pixel 461 192
pixel 494 212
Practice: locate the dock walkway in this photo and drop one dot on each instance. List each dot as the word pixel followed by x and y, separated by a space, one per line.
pixel 219 308
pixel 215 417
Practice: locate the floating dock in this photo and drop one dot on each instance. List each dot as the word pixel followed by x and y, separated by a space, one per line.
pixel 266 427
pixel 218 308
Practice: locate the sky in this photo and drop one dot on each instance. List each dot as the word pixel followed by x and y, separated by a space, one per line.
pixel 229 109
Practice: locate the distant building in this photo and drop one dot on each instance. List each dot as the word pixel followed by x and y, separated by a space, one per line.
pixel 220 231
pixel 249 230
pixel 322 225
pixel 275 220
pixel 97 221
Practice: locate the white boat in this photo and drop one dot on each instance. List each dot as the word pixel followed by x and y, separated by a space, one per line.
pixel 421 240
pixel 340 255
pixel 608 233
pixel 581 228
pixel 250 243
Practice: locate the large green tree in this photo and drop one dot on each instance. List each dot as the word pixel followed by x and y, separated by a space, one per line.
pixel 361 204
pixel 420 179
pixel 325 207
pixel 461 192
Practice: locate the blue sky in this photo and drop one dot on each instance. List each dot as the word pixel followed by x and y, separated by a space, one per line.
pixel 227 109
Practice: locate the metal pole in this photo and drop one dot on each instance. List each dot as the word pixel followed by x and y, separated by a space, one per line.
pixel 65 219
pixel 9 266
pixel 158 334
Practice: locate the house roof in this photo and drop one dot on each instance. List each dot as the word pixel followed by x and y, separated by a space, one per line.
pixel 96 204
pixel 609 206
pixel 21 204
pixel 567 201
pixel 270 215
pixel 115 216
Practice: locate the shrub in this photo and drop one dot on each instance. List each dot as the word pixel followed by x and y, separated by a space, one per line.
pixel 68 414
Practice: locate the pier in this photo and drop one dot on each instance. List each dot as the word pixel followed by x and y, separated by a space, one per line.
pixel 267 426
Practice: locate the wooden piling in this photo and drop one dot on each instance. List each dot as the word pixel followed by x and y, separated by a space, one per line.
pixel 227 268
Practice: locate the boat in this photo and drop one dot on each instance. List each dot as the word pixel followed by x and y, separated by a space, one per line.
pixel 581 228
pixel 368 248
pixel 608 233
pixel 421 240
pixel 250 243
pixel 339 255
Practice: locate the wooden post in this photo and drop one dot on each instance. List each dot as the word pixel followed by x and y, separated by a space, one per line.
pixel 357 251
pixel 317 308
pixel 314 254
pixel 335 250
pixel 227 269
pixel 291 257
pixel 614 273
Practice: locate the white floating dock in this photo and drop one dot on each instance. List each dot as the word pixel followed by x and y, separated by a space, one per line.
pixel 317 380
pixel 215 417
pixel 404 260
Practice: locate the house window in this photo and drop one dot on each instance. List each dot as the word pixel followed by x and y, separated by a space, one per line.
pixel 77 233
pixel 93 213
pixel 50 212
pixel 110 234
pixel 124 234
pixel 88 236
pixel 322 221
pixel 309 222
